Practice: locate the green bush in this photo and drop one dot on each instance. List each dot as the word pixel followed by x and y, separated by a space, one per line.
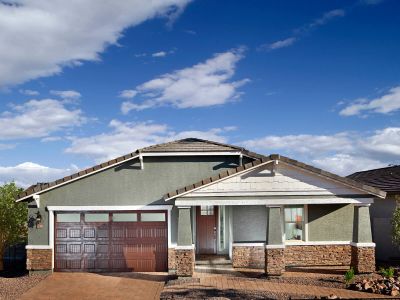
pixel 388 273
pixel 349 276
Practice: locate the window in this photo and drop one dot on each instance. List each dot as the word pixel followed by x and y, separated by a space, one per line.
pixel 152 217
pixel 294 221
pixel 221 228
pixel 89 217
pixel 71 218
pixel 207 210
pixel 124 217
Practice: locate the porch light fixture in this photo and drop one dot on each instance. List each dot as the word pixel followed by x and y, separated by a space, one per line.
pixel 38 220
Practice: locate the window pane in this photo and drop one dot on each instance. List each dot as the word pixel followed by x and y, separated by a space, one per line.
pixel 207 210
pixel 294 223
pixel 125 217
pixel 153 217
pixel 69 218
pixel 96 217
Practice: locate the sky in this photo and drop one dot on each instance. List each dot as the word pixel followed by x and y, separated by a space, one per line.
pixel 82 82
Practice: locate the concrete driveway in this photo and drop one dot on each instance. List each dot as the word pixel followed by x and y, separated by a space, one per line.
pixel 98 286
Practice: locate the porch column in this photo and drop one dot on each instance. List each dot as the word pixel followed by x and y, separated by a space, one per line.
pixel 184 252
pixel 275 247
pixel 362 247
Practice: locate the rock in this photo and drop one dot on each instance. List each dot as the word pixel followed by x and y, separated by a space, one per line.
pixel 394 292
pixel 332 296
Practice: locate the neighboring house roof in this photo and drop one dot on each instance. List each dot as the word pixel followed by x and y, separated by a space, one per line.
pixel 347 181
pixel 386 179
pixel 183 145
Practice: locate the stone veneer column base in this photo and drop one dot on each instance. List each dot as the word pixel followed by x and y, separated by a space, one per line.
pixel 274 261
pixel 363 259
pixel 248 257
pixel 184 261
pixel 171 261
pixel 39 259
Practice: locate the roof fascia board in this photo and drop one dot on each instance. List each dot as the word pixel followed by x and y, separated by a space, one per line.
pixel 219 180
pixel 177 153
pixel 77 178
pixel 332 179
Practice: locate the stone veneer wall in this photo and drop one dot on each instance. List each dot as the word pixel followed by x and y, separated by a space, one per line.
pixel 318 255
pixel 171 260
pixel 39 259
pixel 184 261
pixel 274 261
pixel 248 257
pixel 363 259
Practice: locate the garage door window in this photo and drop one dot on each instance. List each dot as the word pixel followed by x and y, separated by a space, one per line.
pixel 96 217
pixel 153 217
pixel 69 218
pixel 125 217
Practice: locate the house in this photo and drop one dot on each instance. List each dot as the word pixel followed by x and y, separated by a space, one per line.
pixel 159 207
pixel 388 180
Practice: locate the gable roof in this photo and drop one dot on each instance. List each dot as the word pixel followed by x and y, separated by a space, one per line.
pixel 183 145
pixel 387 179
pixel 265 159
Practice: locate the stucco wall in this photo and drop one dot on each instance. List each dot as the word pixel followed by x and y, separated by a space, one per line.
pixel 128 185
pixel 330 222
pixel 381 214
pixel 249 223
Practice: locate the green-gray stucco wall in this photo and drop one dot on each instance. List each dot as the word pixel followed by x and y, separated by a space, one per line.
pixel 330 222
pixel 127 184
pixel 249 223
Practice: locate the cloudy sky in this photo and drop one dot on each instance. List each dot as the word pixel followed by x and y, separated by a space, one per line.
pixel 85 81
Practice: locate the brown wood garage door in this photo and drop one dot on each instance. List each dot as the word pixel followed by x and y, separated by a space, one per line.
pixel 111 242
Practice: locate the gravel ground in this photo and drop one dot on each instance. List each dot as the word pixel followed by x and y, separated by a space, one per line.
pixel 14 285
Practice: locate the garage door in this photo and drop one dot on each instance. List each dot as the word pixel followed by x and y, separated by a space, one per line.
pixel 111 242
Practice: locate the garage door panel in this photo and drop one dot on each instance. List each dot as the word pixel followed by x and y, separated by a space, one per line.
pixel 113 246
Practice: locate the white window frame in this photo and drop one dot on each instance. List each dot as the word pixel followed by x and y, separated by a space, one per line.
pixel 305 225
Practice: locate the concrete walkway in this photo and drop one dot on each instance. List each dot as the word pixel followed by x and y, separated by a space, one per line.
pixel 98 286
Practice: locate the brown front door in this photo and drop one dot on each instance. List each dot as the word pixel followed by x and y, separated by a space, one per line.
pixel 206 229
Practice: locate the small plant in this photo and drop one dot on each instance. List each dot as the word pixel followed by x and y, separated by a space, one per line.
pixel 349 276
pixel 387 273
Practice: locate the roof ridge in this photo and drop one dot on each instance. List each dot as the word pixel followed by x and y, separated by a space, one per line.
pixel 373 170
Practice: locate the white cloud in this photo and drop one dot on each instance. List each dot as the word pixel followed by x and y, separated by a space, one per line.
pixel 29 92
pixel 300 32
pixel 159 54
pixel 342 153
pixel 39 38
pixel 28 173
pixel 282 43
pixel 51 139
pixel 390 102
pixel 38 118
pixel 126 137
pixel 67 95
pixel 7 146
pixel 127 94
pixel 205 84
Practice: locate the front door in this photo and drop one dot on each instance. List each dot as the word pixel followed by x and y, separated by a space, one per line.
pixel 206 229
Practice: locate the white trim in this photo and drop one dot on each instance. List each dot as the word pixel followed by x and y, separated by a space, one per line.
pixel 248 244
pixel 274 201
pixel 51 236
pixel 184 247
pixel 36 198
pixel 278 246
pixel 316 243
pixel 363 244
pixel 169 227
pixel 109 208
pixel 221 179
pixel 77 178
pixel 362 204
pixel 221 153
pixel 38 247
pixel 305 222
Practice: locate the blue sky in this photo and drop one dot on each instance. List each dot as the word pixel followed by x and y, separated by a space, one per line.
pixel 82 82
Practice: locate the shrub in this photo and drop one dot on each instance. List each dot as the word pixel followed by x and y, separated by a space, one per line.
pixel 349 276
pixel 388 273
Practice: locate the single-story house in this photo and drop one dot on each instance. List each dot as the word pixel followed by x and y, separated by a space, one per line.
pixel 158 208
pixel 388 180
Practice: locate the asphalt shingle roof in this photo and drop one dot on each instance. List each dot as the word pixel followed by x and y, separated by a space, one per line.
pixel 386 179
